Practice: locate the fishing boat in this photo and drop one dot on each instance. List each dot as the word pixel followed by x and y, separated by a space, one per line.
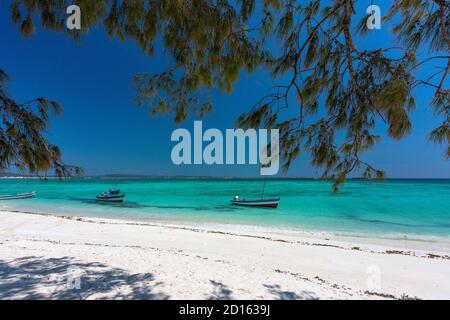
pixel 17 196
pixel 112 195
pixel 257 202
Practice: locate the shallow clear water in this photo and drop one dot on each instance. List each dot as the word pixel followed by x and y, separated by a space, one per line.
pixel 392 207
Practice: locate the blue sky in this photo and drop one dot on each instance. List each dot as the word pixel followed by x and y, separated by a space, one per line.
pixel 102 129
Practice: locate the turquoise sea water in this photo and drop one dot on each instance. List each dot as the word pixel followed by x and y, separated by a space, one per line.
pixel 392 207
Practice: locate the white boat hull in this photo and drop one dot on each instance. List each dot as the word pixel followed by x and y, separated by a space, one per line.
pixel 27 195
pixel 267 203
pixel 111 199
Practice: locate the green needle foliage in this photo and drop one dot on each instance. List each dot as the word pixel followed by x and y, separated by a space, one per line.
pixel 22 141
pixel 332 87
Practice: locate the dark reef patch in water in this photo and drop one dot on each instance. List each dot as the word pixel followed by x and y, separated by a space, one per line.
pixel 136 205
pixel 125 204
pixel 376 221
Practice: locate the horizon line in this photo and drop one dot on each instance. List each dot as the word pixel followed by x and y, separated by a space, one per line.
pixel 118 175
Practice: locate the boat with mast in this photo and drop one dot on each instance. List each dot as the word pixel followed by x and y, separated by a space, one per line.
pixel 257 202
pixel 19 194
pixel 112 195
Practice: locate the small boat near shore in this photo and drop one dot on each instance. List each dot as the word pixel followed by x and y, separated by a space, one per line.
pixel 26 195
pixel 112 195
pixel 257 202
pixel 261 202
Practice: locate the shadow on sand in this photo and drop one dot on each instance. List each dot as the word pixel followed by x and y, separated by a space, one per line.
pixel 220 291
pixel 279 294
pixel 65 278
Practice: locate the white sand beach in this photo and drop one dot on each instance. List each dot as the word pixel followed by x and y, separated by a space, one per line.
pixel 43 257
